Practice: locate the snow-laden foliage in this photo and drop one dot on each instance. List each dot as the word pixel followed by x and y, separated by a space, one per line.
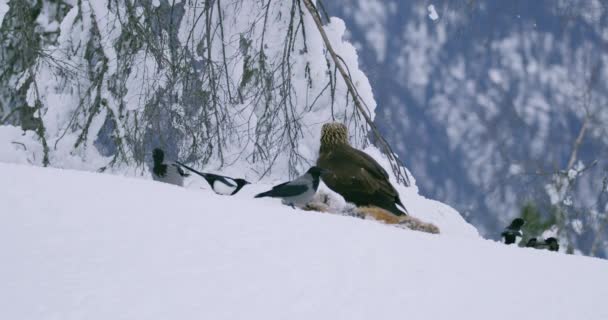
pixel 3 9
pixel 241 83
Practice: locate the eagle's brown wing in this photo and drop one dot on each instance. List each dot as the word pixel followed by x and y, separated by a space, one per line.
pixel 375 171
pixel 356 176
pixel 371 165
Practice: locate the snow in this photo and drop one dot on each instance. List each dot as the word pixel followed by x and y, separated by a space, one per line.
pixel 17 146
pixel 111 30
pixel 432 13
pixel 515 169
pixel 578 226
pixel 81 245
pixel 96 102
pixel 495 76
pixel 553 193
pixel 3 9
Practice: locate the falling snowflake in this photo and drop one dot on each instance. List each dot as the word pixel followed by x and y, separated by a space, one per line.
pixel 432 13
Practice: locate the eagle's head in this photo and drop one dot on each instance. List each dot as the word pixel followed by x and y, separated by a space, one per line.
pixel 334 133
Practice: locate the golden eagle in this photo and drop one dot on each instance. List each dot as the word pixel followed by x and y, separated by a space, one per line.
pixel 353 173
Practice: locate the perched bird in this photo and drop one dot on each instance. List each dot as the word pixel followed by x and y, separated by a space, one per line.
pixel 220 184
pixel 297 192
pixel 549 243
pixel 166 172
pixel 354 174
pixel 513 231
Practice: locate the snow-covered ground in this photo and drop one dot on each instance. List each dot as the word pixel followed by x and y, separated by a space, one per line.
pixel 79 245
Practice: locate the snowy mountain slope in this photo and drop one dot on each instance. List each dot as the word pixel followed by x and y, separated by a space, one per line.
pixel 146 250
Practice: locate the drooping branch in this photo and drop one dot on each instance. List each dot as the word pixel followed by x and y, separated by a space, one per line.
pixel 212 82
pixel 396 164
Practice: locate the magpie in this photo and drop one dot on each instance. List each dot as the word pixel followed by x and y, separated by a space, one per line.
pixel 549 243
pixel 166 172
pixel 552 244
pixel 532 243
pixel 513 231
pixel 297 192
pixel 220 184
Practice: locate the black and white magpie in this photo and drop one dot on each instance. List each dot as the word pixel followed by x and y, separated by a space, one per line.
pixel 532 242
pixel 166 172
pixel 220 184
pixel 550 243
pixel 513 231
pixel 297 192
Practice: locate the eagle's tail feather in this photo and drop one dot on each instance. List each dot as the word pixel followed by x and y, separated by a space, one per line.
pixel 398 201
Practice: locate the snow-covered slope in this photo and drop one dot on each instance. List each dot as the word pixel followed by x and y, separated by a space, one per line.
pixel 78 245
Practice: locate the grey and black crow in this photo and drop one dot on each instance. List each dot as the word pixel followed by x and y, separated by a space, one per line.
pixel 298 192
pixel 166 172
pixel 220 184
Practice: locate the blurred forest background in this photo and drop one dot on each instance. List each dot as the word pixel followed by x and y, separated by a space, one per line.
pixel 499 108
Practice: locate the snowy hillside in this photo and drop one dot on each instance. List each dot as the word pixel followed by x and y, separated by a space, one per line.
pixel 78 245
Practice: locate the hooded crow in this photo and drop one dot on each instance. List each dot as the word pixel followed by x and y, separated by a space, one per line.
pixel 354 174
pixel 220 184
pixel 513 231
pixel 166 172
pixel 297 192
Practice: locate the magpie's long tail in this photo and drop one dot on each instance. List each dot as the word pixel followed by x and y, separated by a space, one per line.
pixel 207 176
pixel 191 169
pixel 263 194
